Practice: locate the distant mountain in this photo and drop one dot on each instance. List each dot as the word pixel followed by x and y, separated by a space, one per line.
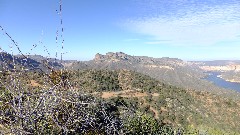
pixel 220 65
pixel 168 70
pixel 172 71
pixel 229 69
pixel 29 62
pixel 220 62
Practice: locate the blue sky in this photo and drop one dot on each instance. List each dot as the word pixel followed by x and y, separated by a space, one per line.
pixel 185 29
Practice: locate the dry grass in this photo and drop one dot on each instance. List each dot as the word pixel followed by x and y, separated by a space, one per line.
pixel 125 93
pixel 34 83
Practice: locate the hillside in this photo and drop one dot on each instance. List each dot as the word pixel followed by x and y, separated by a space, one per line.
pixel 172 71
pixel 168 70
pixel 46 90
pixel 170 104
pixel 130 95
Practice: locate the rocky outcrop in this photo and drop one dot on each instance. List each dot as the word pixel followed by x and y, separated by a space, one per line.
pixel 120 56
pixel 98 57
pixel 111 55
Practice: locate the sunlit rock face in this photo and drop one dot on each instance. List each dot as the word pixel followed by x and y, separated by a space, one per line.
pixel 98 57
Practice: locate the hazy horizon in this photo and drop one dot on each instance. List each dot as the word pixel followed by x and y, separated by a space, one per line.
pixel 197 60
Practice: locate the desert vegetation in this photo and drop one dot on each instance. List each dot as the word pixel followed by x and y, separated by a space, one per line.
pixel 76 106
pixel 116 94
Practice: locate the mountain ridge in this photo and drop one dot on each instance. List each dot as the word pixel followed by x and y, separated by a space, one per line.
pixel 172 71
pixel 30 62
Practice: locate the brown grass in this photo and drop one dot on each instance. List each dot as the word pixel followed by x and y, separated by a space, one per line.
pixel 126 93
pixel 34 83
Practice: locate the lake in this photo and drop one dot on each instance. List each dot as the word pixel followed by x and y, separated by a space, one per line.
pixel 221 82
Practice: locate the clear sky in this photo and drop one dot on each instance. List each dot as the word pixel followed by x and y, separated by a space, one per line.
pixel 186 29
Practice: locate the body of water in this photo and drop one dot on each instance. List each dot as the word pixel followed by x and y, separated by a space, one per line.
pixel 213 77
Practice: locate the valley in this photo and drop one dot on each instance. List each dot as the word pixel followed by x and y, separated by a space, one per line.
pixel 166 92
pixel 119 67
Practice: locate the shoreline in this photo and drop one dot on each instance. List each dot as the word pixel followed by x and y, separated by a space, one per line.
pixel 228 80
